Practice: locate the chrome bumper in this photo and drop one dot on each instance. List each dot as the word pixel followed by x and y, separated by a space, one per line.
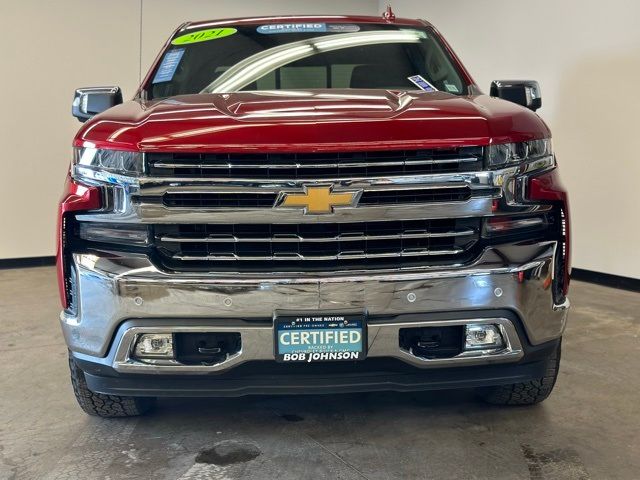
pixel 113 289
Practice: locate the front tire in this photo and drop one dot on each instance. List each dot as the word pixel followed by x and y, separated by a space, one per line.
pixel 525 393
pixel 105 406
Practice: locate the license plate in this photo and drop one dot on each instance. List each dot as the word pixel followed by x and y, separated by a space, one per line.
pixel 320 338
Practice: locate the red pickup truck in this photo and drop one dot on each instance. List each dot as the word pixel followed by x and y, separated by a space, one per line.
pixel 311 205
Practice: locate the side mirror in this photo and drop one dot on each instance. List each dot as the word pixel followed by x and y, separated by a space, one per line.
pixel 522 92
pixel 88 102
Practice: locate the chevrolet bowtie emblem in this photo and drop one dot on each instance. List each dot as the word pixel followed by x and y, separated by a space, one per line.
pixel 317 200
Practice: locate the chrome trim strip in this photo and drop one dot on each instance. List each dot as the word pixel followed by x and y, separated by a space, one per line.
pixel 153 213
pixel 176 189
pixel 257 344
pixel 298 256
pixel 284 238
pixel 160 185
pixel 296 165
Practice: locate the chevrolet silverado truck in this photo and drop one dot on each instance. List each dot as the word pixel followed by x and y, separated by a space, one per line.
pixel 311 204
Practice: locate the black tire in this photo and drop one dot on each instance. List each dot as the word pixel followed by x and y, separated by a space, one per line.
pixel 106 406
pixel 525 393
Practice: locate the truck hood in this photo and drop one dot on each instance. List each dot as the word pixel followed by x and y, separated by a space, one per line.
pixel 314 120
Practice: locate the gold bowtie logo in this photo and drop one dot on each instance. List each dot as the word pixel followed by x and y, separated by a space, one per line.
pixel 317 200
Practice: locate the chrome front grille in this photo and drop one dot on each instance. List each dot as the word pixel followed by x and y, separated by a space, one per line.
pixel 277 247
pixel 314 165
pixel 223 212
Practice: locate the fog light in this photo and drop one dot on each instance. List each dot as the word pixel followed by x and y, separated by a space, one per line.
pixel 154 345
pixel 482 337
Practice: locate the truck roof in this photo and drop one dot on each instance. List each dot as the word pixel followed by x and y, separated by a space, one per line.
pixel 306 18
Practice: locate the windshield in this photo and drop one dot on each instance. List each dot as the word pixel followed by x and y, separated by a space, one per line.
pixel 302 56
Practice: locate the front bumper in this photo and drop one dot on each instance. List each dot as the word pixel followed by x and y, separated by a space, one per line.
pixel 122 295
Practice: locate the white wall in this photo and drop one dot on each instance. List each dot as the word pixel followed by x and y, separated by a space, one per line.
pixel 586 55
pixel 48 50
pixel 51 48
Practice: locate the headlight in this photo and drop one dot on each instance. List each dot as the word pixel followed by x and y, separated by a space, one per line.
pixel 117 162
pixel 507 154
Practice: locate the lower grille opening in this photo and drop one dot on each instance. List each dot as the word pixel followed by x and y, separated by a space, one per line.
pixel 206 348
pixel 219 200
pixel 305 247
pixel 432 195
pixel 432 342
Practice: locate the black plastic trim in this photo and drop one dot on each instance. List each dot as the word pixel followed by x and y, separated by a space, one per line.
pixel 372 374
pixel 216 386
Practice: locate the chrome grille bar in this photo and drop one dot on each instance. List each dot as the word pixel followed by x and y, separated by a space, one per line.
pixel 276 246
pixel 226 165
pixel 315 165
pixel 297 238
pixel 297 256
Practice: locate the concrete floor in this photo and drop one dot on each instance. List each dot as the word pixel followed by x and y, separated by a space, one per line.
pixel 588 429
